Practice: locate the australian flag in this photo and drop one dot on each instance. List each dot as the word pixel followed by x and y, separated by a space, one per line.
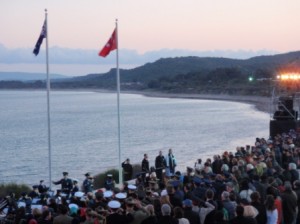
pixel 40 40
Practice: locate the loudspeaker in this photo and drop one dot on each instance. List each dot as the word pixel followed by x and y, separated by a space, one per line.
pixel 278 127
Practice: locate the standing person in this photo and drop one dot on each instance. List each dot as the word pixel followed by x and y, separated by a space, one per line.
pixel 127 170
pixel 289 204
pixel 145 166
pixel 160 164
pixel 109 182
pixel 66 184
pixel 88 183
pixel 271 211
pixel 170 163
pixel 42 187
pixel 63 217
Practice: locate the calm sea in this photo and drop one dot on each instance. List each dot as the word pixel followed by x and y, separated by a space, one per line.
pixel 85 137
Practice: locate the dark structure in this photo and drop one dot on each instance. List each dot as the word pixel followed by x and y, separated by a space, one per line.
pixel 284 108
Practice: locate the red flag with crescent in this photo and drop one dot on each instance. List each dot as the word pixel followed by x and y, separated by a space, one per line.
pixel 109 46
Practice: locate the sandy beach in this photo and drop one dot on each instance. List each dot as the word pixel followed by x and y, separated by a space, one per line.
pixel 261 103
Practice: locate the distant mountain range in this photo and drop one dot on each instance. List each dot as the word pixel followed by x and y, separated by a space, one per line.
pixel 24 76
pixel 171 67
pixel 188 74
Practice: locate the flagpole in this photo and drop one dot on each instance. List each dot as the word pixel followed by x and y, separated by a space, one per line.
pixel 118 100
pixel 48 102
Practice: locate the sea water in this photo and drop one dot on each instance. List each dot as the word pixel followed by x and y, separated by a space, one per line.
pixel 84 131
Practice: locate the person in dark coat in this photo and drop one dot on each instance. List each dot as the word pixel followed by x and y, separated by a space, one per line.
pixel 293 171
pixel 145 167
pixel 289 204
pixel 109 182
pixel 174 199
pixel 297 191
pixel 116 216
pixel 261 218
pixel 240 218
pixel 88 183
pixel 166 217
pixel 188 213
pixel 160 164
pixel 66 184
pixel 42 187
pixel 210 217
pixel 151 219
pixel 127 170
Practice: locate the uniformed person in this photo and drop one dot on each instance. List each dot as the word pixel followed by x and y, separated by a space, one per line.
pixel 88 183
pixel 145 167
pixel 42 187
pixel 66 184
pixel 127 170
pixel 109 182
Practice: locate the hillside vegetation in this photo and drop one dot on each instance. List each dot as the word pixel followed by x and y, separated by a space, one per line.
pixel 186 75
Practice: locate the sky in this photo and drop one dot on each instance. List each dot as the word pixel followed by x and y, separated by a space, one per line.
pixel 147 29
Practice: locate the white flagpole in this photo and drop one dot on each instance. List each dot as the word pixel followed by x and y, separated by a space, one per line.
pixel 48 101
pixel 118 99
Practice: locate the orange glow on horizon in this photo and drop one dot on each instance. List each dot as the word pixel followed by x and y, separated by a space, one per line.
pixel 289 76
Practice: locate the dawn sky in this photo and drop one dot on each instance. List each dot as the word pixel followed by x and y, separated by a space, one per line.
pixel 198 25
pixel 149 25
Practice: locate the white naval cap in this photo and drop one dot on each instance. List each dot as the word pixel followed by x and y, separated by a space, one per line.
pixel 131 187
pixel 121 195
pixel 108 194
pixel 114 204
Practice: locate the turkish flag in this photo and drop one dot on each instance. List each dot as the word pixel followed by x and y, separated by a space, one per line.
pixel 110 45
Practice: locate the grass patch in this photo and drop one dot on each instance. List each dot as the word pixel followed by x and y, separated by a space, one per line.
pixel 17 189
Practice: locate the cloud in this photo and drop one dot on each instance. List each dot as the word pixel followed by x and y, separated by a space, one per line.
pixel 60 55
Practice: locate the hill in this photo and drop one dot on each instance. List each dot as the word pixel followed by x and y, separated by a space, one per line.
pixel 188 75
pixel 25 76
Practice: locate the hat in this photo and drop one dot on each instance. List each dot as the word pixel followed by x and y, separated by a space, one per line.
pixel 41 181
pixel 78 194
pixel 187 203
pixel 131 187
pixel 87 174
pixel 108 194
pixel 120 196
pixel 65 173
pixel 35 186
pixel 114 204
pixel 109 175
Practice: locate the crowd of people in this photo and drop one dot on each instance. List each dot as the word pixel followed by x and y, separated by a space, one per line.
pixel 258 184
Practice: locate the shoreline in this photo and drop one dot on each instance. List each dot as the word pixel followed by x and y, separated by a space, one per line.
pixel 261 103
